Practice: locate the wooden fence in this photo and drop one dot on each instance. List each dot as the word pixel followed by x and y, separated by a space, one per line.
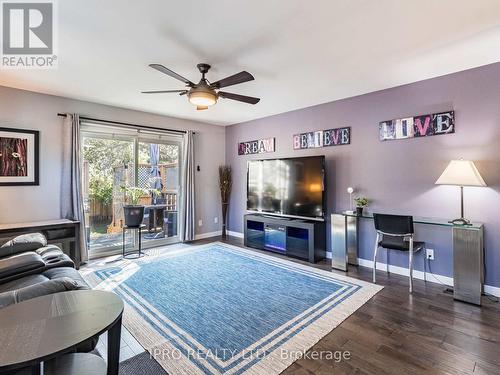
pixel 99 212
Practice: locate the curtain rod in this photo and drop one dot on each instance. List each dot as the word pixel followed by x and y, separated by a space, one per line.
pixel 127 124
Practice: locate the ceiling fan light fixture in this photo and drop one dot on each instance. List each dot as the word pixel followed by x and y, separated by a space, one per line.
pixel 205 93
pixel 202 98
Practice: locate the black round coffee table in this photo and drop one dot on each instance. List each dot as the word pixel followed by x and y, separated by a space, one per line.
pixel 43 328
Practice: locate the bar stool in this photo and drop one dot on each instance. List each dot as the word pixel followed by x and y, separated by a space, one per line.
pixel 138 254
pixel 395 232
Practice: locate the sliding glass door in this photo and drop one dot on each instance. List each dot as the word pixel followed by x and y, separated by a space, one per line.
pixel 158 170
pixel 116 158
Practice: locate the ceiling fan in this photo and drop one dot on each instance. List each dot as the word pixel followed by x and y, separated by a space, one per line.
pixel 204 94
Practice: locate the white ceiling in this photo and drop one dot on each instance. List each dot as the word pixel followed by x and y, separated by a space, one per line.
pixel 301 52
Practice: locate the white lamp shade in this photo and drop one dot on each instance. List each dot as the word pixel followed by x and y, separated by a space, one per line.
pixel 461 173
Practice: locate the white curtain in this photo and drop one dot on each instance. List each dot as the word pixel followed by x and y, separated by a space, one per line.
pixel 187 214
pixel 71 180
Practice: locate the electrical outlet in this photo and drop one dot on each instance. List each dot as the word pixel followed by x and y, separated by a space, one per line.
pixel 200 223
pixel 216 220
pixel 429 253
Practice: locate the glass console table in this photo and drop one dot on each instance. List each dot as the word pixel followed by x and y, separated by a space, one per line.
pixel 468 250
pixel 419 220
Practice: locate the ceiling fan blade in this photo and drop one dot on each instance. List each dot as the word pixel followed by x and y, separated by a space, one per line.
pixel 240 98
pixel 233 80
pixel 164 92
pixel 201 107
pixel 171 73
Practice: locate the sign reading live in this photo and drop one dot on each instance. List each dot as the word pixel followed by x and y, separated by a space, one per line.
pixel 256 147
pixel 419 126
pixel 322 138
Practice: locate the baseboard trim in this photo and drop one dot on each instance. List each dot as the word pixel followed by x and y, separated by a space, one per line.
pixel 201 236
pixel 431 277
pixel 493 290
pixel 208 235
pixel 235 234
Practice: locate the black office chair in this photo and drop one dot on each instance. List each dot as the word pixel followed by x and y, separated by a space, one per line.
pixel 395 232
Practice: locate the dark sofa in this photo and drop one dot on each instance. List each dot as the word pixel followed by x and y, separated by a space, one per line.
pixel 30 268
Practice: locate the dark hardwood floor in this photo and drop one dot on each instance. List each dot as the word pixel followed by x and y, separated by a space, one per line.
pixel 397 333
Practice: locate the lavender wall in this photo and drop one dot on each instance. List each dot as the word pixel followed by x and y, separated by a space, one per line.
pixel 398 175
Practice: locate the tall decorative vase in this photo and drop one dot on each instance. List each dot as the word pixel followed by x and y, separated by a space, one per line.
pixel 225 184
pixel 224 218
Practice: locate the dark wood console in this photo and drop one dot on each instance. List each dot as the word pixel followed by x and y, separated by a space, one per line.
pixel 297 238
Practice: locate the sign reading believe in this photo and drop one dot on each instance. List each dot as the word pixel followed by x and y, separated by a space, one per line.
pixel 256 147
pixel 419 126
pixel 322 138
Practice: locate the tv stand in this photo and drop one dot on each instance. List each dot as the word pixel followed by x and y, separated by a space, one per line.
pixel 283 218
pixel 297 238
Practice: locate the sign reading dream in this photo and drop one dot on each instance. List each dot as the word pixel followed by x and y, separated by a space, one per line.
pixel 256 147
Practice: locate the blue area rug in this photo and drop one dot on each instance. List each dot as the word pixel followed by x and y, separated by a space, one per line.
pixel 220 309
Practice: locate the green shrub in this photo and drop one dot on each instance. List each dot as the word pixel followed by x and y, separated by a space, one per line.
pixel 101 190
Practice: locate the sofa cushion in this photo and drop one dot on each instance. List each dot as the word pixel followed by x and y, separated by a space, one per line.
pixel 28 262
pixel 22 243
pixel 51 274
pixel 22 282
pixel 54 257
pixel 46 287
pixel 55 273
pixel 21 263
pixel 48 251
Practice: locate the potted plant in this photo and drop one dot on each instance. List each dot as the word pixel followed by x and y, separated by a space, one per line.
pixel 133 211
pixel 361 202
pixel 225 184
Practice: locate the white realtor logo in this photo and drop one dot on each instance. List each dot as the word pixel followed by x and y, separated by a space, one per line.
pixel 28 34
pixel 17 28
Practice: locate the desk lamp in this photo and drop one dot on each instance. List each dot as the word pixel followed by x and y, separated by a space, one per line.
pixel 350 190
pixel 461 173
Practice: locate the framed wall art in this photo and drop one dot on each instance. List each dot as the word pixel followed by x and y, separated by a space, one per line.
pixel 19 157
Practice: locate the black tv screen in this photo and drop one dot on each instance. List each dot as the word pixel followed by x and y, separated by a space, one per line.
pixel 292 187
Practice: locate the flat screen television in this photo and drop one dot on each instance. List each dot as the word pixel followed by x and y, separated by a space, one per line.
pixel 292 187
